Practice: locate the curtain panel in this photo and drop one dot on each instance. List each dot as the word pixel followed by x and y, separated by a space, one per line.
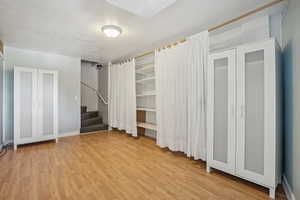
pixel 122 97
pixel 181 91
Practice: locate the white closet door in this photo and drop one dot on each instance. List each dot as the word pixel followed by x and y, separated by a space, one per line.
pixel 25 104
pixel 256 112
pixel 47 103
pixel 221 111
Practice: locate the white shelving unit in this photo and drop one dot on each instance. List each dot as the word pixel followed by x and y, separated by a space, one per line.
pixel 146 96
pixel 147 109
pixel 145 69
pixel 146 80
pixel 147 125
pixel 147 93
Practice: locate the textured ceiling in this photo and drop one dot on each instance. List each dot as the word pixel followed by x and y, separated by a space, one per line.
pixel 72 27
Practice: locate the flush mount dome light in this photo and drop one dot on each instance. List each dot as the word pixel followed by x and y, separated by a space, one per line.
pixel 111 30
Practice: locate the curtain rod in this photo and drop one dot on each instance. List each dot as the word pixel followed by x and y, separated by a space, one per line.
pixel 219 26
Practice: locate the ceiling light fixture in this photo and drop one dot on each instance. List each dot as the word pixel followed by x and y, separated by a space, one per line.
pixel 111 30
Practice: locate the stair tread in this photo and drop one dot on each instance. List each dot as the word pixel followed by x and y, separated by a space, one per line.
pixel 83 109
pixel 91 112
pixel 93 128
pixel 91 119
pixel 89 115
pixel 96 125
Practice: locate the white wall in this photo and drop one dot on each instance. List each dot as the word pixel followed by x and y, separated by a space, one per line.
pixel 103 89
pixel 291 54
pixel 250 31
pixel 68 84
pixel 1 99
pixel 89 75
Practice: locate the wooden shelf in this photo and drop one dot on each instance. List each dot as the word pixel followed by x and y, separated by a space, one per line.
pixel 146 125
pixel 149 93
pixel 146 109
pixel 145 79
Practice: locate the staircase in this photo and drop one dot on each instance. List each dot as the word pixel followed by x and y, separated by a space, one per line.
pixel 91 121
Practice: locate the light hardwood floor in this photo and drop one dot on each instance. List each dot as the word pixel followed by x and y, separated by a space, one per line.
pixel 113 165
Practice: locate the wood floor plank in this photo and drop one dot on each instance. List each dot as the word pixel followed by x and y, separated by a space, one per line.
pixel 114 166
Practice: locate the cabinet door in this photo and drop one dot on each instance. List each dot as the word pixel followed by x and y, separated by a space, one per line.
pixel 47 86
pixel 256 112
pixel 25 104
pixel 221 111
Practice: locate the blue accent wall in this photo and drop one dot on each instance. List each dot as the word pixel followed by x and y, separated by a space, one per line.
pixel 291 83
pixel 288 112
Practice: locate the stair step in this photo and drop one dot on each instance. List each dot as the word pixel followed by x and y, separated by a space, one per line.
pixel 83 109
pixel 91 121
pixel 94 128
pixel 88 115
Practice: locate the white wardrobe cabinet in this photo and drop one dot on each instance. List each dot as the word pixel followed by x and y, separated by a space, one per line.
pixel 35 105
pixel 244 125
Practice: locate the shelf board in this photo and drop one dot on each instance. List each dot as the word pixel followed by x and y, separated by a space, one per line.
pixel 149 93
pixel 146 79
pixel 147 109
pixel 146 125
pixel 146 69
pixel 145 64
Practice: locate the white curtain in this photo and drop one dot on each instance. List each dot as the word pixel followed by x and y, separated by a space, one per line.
pixel 197 61
pixel 180 82
pixel 122 97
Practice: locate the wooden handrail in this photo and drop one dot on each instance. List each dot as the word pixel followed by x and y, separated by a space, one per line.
pixel 99 95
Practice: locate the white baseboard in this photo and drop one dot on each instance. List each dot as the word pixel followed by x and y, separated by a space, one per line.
pixel 71 133
pixel 93 132
pixel 67 134
pixel 287 189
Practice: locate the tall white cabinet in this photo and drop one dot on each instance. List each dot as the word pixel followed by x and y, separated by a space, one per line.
pixel 244 125
pixel 35 105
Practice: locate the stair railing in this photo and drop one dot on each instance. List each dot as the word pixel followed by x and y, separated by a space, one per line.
pixel 99 95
